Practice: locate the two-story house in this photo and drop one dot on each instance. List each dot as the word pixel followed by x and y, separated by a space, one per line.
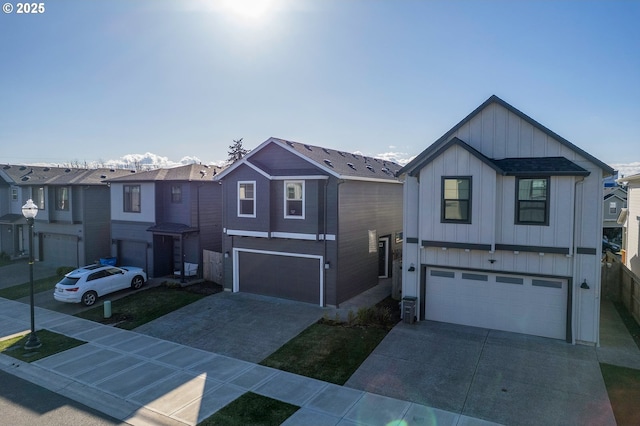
pixel 72 225
pixel 614 201
pixel 162 218
pixel 502 228
pixel 308 223
pixel 630 219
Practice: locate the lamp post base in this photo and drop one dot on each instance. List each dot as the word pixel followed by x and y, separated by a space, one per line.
pixel 32 342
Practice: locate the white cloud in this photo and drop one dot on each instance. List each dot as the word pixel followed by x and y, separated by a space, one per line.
pixel 627 169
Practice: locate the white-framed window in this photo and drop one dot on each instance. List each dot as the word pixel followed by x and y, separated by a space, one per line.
pixel 176 193
pixel 14 194
pixel 37 195
pixel 62 198
pixel 613 207
pixel 246 199
pixel 131 198
pixel 294 199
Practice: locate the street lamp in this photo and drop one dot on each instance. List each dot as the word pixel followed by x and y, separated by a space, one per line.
pixel 29 211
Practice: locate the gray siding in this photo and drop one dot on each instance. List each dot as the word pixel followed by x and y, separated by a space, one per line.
pixel 364 206
pixel 263 201
pixel 313 209
pixel 96 223
pixel 273 157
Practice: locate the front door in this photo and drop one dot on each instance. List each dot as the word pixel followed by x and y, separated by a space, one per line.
pixel 383 257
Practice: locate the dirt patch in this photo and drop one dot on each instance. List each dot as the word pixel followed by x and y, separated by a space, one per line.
pixel 205 288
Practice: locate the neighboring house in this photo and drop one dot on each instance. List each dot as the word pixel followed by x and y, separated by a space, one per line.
pixel 501 228
pixel 615 200
pixel 165 217
pixel 631 220
pixel 72 225
pixel 308 223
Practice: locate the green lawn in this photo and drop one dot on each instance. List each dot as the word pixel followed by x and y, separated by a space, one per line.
pixel 147 305
pixel 623 387
pixel 332 351
pixel 251 409
pixel 22 290
pixel 52 343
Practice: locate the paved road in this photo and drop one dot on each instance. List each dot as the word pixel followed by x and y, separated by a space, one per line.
pixel 22 403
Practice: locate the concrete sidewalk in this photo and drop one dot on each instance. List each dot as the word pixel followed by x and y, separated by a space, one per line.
pixel 144 380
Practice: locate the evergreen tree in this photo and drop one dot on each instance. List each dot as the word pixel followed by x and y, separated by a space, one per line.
pixel 236 151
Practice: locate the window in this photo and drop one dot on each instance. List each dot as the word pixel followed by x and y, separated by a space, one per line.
pixel 294 199
pixel 176 194
pixel 14 194
pixel 532 207
pixel 456 199
pixel 246 199
pixel 131 200
pixel 613 207
pixel 62 198
pixel 37 195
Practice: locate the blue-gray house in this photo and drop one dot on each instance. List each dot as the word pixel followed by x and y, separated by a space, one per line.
pixel 309 223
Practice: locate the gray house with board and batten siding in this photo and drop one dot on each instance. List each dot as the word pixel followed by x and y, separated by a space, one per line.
pixel 308 223
pixel 503 228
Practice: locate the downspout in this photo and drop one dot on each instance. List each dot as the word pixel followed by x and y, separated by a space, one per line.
pixel 575 310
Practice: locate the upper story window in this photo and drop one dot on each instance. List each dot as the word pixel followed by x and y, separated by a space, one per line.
pixel 62 198
pixel 294 199
pixel 37 195
pixel 14 194
pixel 131 198
pixel 456 199
pixel 176 193
pixel 246 199
pixel 532 201
pixel 613 207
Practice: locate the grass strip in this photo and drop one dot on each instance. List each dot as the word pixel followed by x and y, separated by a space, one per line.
pixel 331 353
pixel 144 306
pixel 22 290
pixel 52 343
pixel 252 409
pixel 623 387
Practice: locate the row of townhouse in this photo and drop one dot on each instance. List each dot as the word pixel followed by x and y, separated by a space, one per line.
pixel 499 223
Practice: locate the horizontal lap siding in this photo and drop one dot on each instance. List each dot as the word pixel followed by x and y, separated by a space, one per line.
pixel 364 206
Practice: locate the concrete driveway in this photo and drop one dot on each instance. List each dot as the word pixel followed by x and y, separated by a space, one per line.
pixel 502 377
pixel 239 325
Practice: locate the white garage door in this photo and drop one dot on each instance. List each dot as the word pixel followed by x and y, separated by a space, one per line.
pixel 529 305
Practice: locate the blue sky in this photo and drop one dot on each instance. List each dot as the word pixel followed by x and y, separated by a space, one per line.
pixel 97 80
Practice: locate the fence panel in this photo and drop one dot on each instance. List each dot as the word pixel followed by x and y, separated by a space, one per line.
pixel 212 268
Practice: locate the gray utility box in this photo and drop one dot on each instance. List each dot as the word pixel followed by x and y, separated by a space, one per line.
pixel 409 309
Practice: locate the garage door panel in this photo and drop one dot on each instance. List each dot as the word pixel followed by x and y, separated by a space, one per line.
pixel 60 250
pixel 519 304
pixel 284 276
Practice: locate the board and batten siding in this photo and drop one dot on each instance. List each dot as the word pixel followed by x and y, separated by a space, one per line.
pixel 454 162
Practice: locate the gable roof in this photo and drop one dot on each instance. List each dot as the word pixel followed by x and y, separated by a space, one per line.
pixel 45 175
pixel 325 161
pixel 423 158
pixel 187 173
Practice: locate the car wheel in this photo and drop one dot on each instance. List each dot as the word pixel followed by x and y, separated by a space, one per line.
pixel 137 282
pixel 89 298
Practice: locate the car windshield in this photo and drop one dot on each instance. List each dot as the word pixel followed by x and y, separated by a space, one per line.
pixel 68 281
